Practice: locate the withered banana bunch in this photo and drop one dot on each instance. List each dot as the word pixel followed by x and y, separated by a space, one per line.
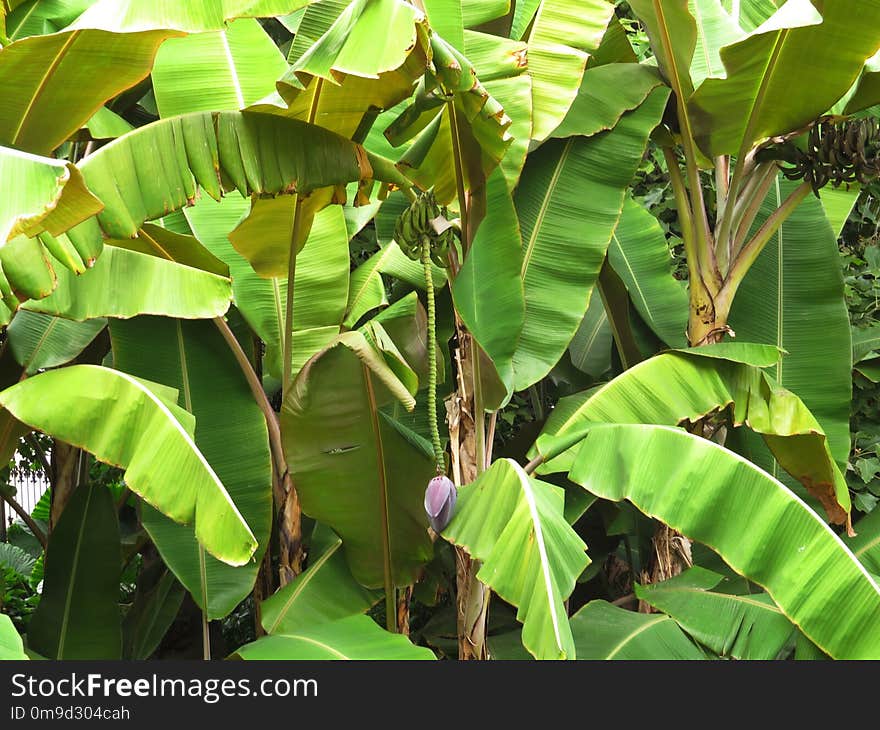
pixel 424 221
pixel 839 154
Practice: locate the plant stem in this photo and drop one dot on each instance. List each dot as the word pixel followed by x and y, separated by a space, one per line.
pixel 490 438
pixel 533 464
pixel 288 311
pixel 751 207
pixel 26 518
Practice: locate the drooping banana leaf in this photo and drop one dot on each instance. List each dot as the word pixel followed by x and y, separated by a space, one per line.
pixel 563 35
pixel 720 499
pixel 37 17
pixel 605 95
pixel 793 297
pixel 320 283
pixel 325 591
pixel 124 422
pixel 151 615
pixel 568 205
pixel 715 29
pixel 157 168
pixel 354 470
pixel 193 358
pixel 751 13
pixel 78 616
pixel 640 256
pixel 488 290
pixel 603 631
pixel 366 61
pixel 355 637
pixel 531 557
pixel 40 195
pixel 867 92
pixel 39 341
pixel 684 386
pixel 738 626
pixel 590 349
pixel 11 646
pixel 807 56
pixel 223 69
pixel 124 283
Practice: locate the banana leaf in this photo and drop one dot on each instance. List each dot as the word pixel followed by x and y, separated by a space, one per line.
pixel 320 284
pixel 568 205
pixel 223 69
pixel 737 626
pixel 603 631
pixel 40 196
pixel 78 616
pixel 806 58
pixel 755 523
pixel 325 591
pixel 681 387
pixel 563 35
pixel 39 341
pixel 126 423
pixel 488 290
pixel 355 637
pixel 355 470
pixel 531 557
pixel 193 358
pixel 796 273
pixel 11 647
pixel 124 283
pixel 639 255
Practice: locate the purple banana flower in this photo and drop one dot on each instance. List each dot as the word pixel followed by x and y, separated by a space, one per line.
pixel 440 499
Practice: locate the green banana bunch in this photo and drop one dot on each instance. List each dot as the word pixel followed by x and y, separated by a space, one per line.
pixel 836 153
pixel 415 227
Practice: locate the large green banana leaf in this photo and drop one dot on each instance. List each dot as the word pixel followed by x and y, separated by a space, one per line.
pixel 805 58
pixel 798 273
pixel 681 387
pixel 640 256
pixel 52 84
pixel 715 29
pixel 78 615
pixel 40 341
pixel 760 528
pixel 447 18
pixel 37 17
pixel 223 69
pixel 11 646
pixel 151 614
pixel 502 67
pixel 326 591
pixel 365 61
pixel 738 626
pixel 193 358
pixel 355 637
pixel 354 469
pixel 606 93
pixel 320 285
pixel 158 168
pixel 603 631
pixel 590 348
pixel 124 283
pixel 124 422
pixel 866 543
pixel 563 35
pixel 568 205
pixel 749 14
pixel 39 195
pixel 531 557
pixel 488 290
pixel 477 12
pixel 867 91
